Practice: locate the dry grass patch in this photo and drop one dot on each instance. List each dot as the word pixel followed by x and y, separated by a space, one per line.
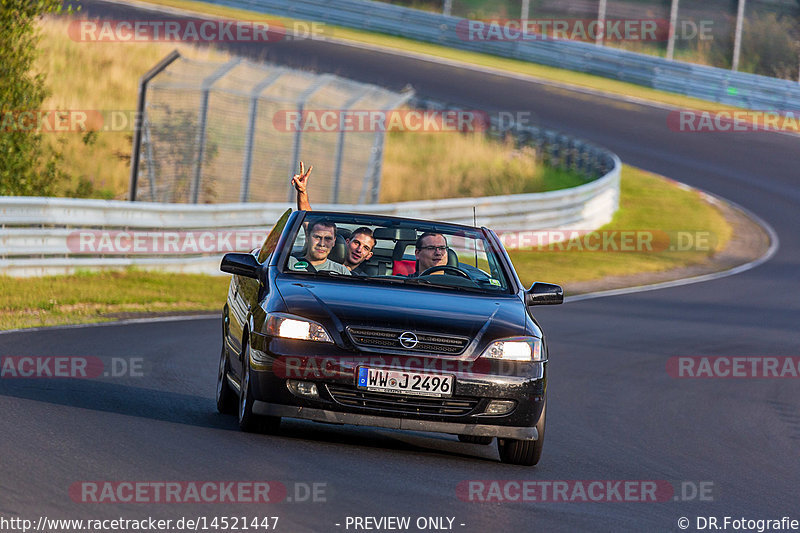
pixel 433 166
pixel 98 76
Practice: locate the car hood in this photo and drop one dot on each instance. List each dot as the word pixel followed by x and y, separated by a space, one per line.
pixel 341 304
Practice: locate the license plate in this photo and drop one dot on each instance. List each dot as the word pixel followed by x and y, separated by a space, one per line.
pixel 400 382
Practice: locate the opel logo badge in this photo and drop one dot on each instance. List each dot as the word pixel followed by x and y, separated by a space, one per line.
pixel 408 339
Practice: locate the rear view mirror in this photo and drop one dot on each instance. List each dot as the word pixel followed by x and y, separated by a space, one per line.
pixel 544 294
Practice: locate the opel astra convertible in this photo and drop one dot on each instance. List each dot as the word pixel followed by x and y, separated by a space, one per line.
pixel 397 343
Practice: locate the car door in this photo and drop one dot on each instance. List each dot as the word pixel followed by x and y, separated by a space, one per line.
pixel 248 293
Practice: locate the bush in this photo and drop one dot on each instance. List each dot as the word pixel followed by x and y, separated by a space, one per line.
pixel 769 46
pixel 24 169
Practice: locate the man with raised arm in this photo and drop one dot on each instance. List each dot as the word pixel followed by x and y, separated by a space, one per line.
pixel 361 242
pixel 321 238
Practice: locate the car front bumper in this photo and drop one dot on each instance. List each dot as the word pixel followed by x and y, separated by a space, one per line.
pixel 337 417
pixel 474 384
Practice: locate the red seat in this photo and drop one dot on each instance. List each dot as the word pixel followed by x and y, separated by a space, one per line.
pixel 403 267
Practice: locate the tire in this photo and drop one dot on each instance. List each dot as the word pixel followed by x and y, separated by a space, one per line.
pixel 226 396
pixel 475 439
pixel 523 452
pixel 248 421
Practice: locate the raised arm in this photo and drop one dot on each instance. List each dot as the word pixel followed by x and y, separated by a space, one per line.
pixel 300 181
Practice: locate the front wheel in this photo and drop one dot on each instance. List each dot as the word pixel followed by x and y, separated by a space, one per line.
pixel 248 421
pixel 523 452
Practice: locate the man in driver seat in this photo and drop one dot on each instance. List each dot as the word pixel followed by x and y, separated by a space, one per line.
pixel 431 251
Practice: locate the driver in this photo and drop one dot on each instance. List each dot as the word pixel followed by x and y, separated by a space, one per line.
pixel 431 251
pixel 321 238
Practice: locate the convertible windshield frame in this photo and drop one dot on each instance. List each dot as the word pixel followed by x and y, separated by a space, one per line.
pixel 488 258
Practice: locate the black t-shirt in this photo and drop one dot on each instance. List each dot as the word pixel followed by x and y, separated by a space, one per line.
pixel 359 271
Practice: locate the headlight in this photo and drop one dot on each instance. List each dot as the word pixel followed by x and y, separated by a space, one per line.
pixel 515 349
pixel 296 328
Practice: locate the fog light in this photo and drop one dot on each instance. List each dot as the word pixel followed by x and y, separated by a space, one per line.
pixel 499 407
pixel 303 388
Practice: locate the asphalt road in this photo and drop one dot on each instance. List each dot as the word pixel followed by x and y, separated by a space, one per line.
pixel 614 411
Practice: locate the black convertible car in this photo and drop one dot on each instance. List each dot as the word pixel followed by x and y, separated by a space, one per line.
pixel 390 322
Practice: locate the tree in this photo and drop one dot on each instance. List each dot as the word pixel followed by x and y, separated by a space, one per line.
pixel 24 167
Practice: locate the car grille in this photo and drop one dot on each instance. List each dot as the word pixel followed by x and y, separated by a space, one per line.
pixel 352 397
pixel 389 340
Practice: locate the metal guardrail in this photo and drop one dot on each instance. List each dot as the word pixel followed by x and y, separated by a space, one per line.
pixel 699 81
pixel 41 236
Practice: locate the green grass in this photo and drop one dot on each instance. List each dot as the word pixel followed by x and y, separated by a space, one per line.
pixel 647 203
pixel 99 296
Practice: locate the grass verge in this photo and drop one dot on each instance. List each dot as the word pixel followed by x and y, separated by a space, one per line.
pixel 648 202
pixel 101 296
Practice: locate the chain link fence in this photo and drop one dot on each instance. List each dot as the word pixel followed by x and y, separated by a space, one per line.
pixel 234 132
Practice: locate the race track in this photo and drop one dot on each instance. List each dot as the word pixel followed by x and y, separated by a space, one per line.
pixel 614 411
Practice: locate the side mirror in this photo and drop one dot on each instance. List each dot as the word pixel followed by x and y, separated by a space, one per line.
pixel 242 265
pixel 544 294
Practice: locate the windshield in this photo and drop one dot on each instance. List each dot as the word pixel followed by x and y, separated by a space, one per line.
pixel 388 250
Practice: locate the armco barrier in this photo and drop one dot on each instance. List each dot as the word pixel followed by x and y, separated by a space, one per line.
pixel 38 235
pixel 35 232
pixel 709 83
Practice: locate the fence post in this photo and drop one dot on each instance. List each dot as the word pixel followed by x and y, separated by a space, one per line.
pixel 601 19
pixel 201 126
pixel 373 171
pixel 737 39
pixel 673 24
pixel 251 126
pixel 337 172
pixel 137 128
pixel 151 172
pixel 447 7
pixel 301 102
